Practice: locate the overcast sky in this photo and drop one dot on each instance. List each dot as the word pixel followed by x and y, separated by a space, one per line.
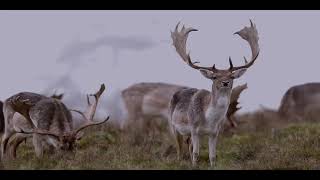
pixel 81 49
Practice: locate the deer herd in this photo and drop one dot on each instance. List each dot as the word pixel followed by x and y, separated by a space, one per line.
pixel 191 113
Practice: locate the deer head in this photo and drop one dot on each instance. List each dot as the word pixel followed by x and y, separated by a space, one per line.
pixel 66 141
pixel 222 78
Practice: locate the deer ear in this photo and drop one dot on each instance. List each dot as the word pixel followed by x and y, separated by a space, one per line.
pixel 79 135
pixel 207 74
pixel 60 96
pixel 238 73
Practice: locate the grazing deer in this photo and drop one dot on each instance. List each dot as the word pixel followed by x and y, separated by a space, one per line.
pixel 21 123
pixel 50 119
pixel 57 96
pixel 298 99
pixel 195 112
pixel 146 101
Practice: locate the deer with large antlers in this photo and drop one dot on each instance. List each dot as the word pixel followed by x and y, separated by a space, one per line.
pixel 21 123
pixel 50 120
pixel 194 112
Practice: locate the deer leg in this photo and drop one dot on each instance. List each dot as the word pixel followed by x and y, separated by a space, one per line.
pixel 178 141
pixel 38 147
pixel 232 122
pixel 5 139
pixel 212 149
pixel 8 128
pixel 19 138
pixel 196 147
pixel 189 142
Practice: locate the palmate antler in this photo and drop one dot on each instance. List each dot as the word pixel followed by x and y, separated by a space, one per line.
pixel 232 109
pixel 179 39
pixel 91 110
pixel 250 34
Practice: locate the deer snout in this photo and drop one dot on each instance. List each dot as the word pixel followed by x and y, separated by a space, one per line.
pixel 225 83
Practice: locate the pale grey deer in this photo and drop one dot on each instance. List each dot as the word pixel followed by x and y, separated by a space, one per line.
pixel 47 119
pixel 197 112
pixel 299 100
pixel 146 101
pixel 22 123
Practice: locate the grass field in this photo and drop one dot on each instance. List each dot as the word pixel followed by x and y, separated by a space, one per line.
pixel 261 141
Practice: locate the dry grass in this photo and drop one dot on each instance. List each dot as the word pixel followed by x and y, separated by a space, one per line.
pixel 262 141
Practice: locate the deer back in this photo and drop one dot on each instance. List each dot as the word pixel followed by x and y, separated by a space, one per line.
pixel 149 98
pixel 298 97
pixel 180 104
pixel 51 114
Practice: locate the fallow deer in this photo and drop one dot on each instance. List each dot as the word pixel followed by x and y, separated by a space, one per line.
pixel 1 118
pixel 298 99
pixel 51 120
pixel 196 112
pixel 148 100
pixel 21 123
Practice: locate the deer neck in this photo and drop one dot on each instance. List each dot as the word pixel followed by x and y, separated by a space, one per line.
pixel 218 106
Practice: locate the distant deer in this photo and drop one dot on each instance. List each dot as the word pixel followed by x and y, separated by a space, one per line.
pixel 50 119
pixel 298 99
pixel 1 118
pixel 146 101
pixel 195 112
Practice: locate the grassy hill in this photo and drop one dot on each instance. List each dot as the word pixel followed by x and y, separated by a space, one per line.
pixel 261 141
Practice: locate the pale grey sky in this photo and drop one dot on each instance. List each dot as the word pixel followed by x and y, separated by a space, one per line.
pixel 38 49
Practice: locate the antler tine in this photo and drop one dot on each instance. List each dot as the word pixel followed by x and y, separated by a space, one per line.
pixel 88 100
pixel 93 107
pixel 91 124
pixel 81 113
pixel 179 39
pixel 245 60
pixel 250 34
pixel 99 92
pixel 230 62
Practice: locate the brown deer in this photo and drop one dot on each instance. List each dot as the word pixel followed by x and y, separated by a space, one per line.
pixel 298 99
pixel 148 100
pixel 50 119
pixel 198 112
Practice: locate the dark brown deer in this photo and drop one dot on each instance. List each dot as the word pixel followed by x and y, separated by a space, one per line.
pixel 198 112
pixel 50 119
